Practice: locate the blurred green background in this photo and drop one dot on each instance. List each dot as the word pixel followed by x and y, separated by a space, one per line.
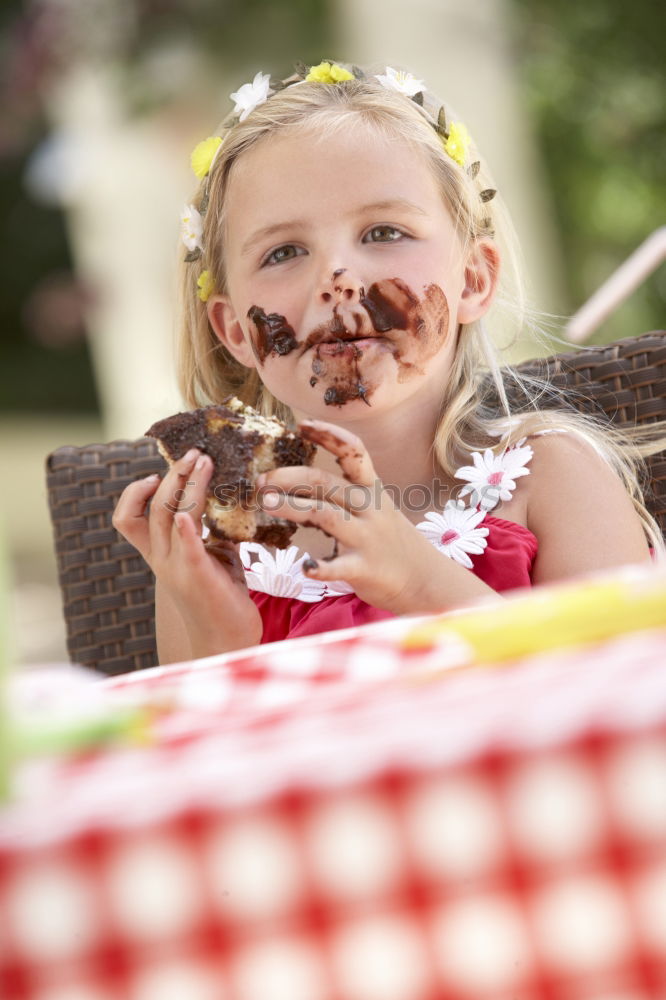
pixel 571 95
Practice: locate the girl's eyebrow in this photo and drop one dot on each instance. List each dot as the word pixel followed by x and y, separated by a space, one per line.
pixel 376 206
pixel 259 235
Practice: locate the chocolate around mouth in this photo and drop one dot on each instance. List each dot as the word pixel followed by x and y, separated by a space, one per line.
pixel 391 306
pixel 348 338
pixel 388 304
pixel 340 373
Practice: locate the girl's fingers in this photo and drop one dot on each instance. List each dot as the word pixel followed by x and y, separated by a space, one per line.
pixel 349 450
pixel 182 489
pixel 334 521
pixel 129 517
pixel 187 544
pixel 343 567
pixel 191 551
pixel 319 485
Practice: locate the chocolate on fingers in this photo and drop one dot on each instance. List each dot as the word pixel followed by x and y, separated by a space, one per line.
pixel 349 450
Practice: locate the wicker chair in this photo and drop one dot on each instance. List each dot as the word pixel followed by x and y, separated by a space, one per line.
pixel 108 590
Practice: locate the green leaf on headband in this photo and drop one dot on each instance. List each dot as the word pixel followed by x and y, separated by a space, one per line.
pixel 488 194
pixel 277 84
pixel 474 169
pixel 358 72
pixel 193 255
pixel 418 98
pixel 203 204
pixel 442 127
pixel 301 69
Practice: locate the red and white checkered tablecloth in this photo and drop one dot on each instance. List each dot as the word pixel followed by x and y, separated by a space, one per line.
pixel 339 819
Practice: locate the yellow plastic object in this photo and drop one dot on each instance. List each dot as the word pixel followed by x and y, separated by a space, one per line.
pixel 553 617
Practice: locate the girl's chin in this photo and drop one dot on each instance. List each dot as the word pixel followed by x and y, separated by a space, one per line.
pixel 356 400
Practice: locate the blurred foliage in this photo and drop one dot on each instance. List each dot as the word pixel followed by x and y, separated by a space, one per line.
pixel 594 79
pixel 45 365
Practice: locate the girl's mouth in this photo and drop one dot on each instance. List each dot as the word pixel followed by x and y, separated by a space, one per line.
pixel 350 345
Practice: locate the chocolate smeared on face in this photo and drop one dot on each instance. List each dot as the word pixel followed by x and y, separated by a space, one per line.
pixel 272 334
pixel 339 370
pixel 410 329
pixel 425 322
pixel 388 304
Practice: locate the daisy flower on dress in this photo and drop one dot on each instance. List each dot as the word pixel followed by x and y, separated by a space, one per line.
pixel 280 573
pixel 251 95
pixel 404 83
pixel 455 531
pixel 493 477
pixel 191 228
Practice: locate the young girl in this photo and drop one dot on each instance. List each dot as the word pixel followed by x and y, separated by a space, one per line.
pixel 344 250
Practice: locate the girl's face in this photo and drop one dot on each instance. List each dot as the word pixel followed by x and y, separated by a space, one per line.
pixel 346 278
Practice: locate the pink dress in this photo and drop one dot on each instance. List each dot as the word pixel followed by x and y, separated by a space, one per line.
pixel 499 552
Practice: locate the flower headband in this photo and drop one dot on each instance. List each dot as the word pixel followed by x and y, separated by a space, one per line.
pixel 454 138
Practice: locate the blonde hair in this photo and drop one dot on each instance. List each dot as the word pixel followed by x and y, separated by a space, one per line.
pixel 476 409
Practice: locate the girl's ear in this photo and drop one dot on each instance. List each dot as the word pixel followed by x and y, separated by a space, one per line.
pixel 481 277
pixel 226 325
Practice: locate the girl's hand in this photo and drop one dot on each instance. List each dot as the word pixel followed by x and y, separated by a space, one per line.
pixel 381 554
pixel 206 582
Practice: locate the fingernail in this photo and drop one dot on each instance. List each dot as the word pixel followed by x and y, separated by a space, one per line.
pixel 201 461
pixel 190 455
pixel 151 479
pixel 270 500
pixel 260 480
pixel 310 564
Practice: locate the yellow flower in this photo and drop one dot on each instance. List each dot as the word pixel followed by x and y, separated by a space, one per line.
pixel 203 155
pixel 328 73
pixel 457 142
pixel 206 286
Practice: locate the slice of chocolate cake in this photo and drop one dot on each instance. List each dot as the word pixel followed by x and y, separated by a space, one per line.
pixel 242 444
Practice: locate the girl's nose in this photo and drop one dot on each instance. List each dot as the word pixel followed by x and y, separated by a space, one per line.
pixel 341 286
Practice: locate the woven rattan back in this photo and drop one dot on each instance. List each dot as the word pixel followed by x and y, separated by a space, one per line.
pixel 108 590
pixel 626 381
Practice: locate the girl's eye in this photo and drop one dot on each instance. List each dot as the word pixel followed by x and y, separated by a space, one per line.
pixel 383 234
pixel 281 254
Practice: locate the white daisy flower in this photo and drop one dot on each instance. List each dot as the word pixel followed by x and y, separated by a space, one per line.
pixel 455 531
pixel 404 83
pixel 251 95
pixel 279 573
pixel 191 228
pixel 493 477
